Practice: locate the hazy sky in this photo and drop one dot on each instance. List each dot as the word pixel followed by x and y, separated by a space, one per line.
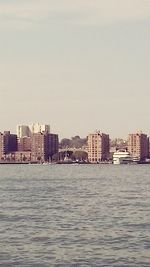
pixel 77 65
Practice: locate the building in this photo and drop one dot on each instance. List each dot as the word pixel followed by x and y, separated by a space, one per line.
pixel 98 147
pixel 39 147
pixel 53 144
pixel 138 146
pixel 23 130
pixel 19 157
pixel 8 143
pixel 1 146
pixel 28 130
pixel 39 128
pixel 24 144
pixel 43 146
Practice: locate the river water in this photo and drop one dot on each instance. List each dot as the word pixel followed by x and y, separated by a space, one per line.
pixel 74 215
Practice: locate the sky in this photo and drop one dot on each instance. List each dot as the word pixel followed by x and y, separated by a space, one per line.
pixel 79 66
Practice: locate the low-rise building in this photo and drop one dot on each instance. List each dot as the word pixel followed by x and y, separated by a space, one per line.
pixel 18 157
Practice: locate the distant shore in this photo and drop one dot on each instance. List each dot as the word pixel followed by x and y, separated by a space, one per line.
pixel 65 163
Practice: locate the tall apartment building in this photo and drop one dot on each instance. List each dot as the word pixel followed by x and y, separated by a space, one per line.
pixel 39 128
pixel 43 146
pixel 138 145
pixel 98 147
pixel 39 147
pixel 23 131
pixel 28 130
pixel 1 146
pixel 24 143
pixel 8 143
pixel 53 144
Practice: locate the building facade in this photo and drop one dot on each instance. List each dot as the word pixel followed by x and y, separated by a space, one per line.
pixel 98 147
pixel 1 146
pixel 53 143
pixel 24 144
pixel 43 146
pixel 28 130
pixel 39 128
pixel 138 146
pixel 8 143
pixel 39 147
pixel 19 157
pixel 23 131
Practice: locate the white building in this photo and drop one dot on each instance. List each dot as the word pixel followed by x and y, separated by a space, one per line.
pixel 28 130
pixel 22 131
pixel 39 128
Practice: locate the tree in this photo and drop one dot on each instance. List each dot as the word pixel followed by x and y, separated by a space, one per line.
pixel 39 158
pixel 80 155
pixel 24 158
pixel 65 142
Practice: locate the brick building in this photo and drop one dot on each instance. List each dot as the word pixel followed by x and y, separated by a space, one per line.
pixel 138 145
pixel 98 147
pixel 8 144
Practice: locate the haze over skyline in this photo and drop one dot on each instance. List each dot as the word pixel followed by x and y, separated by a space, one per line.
pixel 76 65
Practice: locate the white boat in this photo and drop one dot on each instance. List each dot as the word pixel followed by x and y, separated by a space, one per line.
pixel 122 157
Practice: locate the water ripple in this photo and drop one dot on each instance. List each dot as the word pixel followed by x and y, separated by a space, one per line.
pixel 74 216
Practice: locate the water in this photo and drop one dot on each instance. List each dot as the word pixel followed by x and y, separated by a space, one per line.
pixel 65 215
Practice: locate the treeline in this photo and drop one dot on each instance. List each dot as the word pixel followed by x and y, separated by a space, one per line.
pixel 77 142
pixel 74 142
pixel 68 155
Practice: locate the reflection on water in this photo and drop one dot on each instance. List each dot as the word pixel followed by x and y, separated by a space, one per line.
pixel 63 215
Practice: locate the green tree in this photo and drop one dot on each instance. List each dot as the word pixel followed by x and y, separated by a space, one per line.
pixel 65 142
pixel 80 155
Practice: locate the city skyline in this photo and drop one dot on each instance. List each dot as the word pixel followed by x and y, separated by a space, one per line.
pixel 25 130
pixel 74 133
pixel 80 66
